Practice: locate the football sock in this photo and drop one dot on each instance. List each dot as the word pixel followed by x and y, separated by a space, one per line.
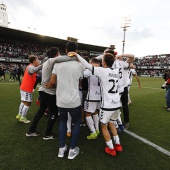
pixel 116 139
pixel 90 124
pixel 21 107
pixel 115 123
pixel 96 121
pixel 69 123
pixel 119 120
pixel 24 110
pixel 110 144
pixel 128 98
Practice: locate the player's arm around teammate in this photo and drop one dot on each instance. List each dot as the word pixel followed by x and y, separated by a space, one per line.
pixel 110 99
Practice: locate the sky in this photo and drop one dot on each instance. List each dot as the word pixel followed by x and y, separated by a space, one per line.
pixel 97 22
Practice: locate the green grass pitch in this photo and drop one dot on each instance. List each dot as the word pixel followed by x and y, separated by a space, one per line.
pixel 147 119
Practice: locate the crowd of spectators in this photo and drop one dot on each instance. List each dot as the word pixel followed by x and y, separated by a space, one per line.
pixel 150 72
pixel 18 49
pixel 21 50
pixel 156 60
pixel 11 69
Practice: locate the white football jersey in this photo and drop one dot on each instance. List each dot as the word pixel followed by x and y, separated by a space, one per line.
pixel 94 93
pixel 126 80
pixel 123 73
pixel 132 72
pixel 109 87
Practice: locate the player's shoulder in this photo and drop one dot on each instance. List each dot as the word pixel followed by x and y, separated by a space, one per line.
pixel 118 63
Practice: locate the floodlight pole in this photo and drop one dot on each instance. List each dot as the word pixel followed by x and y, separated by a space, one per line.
pixel 124 29
pixel 125 24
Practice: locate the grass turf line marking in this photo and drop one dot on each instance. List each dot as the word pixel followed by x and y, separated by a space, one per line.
pixel 149 88
pixel 148 142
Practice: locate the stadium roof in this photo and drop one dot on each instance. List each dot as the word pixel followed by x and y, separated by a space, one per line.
pixel 20 35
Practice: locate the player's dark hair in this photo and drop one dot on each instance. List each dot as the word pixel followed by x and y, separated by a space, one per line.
pixel 71 46
pixel 32 58
pixel 51 53
pixel 95 60
pixel 109 50
pixel 109 59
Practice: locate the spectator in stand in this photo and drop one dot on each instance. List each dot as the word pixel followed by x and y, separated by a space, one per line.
pixel 19 73
pixel 2 73
pixel 15 73
pixel 165 76
pixel 11 74
pixel 167 87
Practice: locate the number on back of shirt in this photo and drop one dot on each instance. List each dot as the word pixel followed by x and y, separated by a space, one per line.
pixel 113 89
pixel 120 73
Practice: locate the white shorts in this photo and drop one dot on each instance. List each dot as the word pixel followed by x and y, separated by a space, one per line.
pixel 91 107
pixel 108 116
pixel 25 96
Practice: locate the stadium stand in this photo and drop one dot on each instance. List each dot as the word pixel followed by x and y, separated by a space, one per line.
pixel 17 45
pixel 152 66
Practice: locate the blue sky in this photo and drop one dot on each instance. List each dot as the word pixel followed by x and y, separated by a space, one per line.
pixel 97 22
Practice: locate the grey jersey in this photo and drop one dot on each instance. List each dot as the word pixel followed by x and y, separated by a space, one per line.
pixel 47 71
pixel 32 69
pixel 68 75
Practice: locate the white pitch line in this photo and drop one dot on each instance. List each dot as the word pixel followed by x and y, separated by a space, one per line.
pixel 149 88
pixel 148 142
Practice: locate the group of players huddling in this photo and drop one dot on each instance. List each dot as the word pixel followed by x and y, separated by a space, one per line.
pixel 59 91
